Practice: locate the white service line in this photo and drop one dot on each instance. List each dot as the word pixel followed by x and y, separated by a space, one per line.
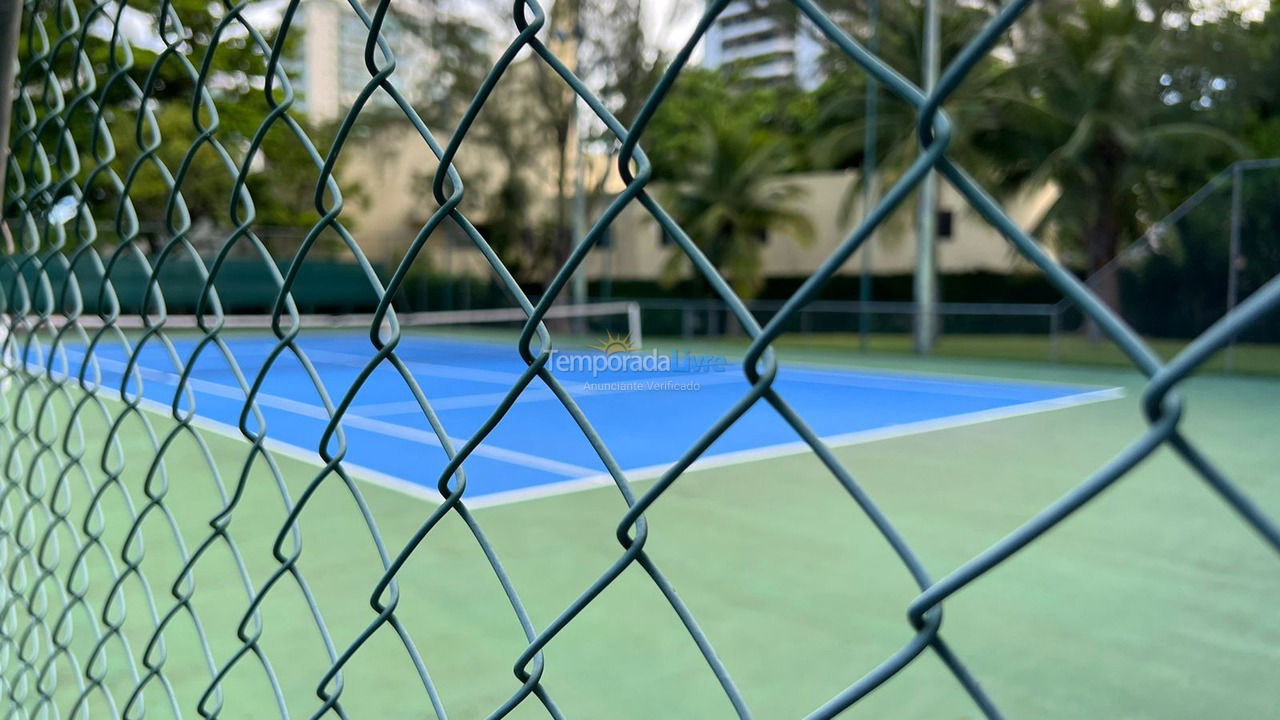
pixel 452 372
pixel 356 421
pixel 400 407
pixel 298 452
pixel 799 447
pixel 928 375
pixel 812 377
pixel 876 381
pixel 542 394
pixel 583 478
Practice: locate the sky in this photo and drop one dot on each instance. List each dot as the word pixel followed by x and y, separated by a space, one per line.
pixel 670 22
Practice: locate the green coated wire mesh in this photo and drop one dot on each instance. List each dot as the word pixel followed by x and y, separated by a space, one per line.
pixel 75 448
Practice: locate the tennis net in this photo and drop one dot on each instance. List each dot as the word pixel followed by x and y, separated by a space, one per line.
pixel 578 324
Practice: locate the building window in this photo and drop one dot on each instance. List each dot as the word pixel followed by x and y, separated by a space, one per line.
pixel 752 39
pixel 945 218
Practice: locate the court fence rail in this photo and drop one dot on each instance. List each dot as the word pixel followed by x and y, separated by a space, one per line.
pixel 1196 264
pixel 710 318
pixel 69 648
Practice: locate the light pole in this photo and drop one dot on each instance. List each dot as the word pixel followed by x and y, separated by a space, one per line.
pixel 578 285
pixel 925 285
pixel 1233 256
pixel 870 182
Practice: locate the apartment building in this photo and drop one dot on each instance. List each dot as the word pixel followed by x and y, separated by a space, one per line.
pixel 752 38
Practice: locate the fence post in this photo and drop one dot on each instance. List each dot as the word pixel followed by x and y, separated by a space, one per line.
pixel 10 21
pixel 925 286
pixel 1055 329
pixel 1233 259
pixel 870 188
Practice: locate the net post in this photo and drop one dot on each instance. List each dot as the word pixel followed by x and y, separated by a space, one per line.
pixel 633 324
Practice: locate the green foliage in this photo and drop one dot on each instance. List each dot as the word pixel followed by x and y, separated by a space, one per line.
pixel 1108 103
pixel 1125 107
pixel 838 122
pixel 776 114
pixel 731 200
pixel 171 175
pixel 1253 94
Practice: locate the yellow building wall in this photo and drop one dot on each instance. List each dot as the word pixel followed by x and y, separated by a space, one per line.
pixel 393 170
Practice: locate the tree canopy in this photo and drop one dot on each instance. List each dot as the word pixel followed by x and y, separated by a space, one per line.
pixel 202 110
pixel 1127 107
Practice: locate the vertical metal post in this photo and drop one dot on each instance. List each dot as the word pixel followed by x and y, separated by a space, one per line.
pixel 925 285
pixel 578 289
pixel 606 282
pixel 633 325
pixel 1055 332
pixel 10 21
pixel 450 280
pixel 1233 257
pixel 870 182
pixel 578 284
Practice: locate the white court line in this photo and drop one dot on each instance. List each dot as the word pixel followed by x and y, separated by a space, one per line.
pixel 400 407
pixel 876 381
pixel 798 447
pixel 541 394
pixel 930 375
pixel 807 376
pixel 297 452
pixel 380 427
pixel 586 479
pixel 452 372
pixel 597 480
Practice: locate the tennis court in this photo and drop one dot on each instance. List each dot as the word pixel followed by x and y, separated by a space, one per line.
pixel 645 405
pixel 1140 599
pixel 227 469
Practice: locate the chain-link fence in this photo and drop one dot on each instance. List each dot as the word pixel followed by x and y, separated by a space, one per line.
pixel 1198 263
pixel 88 131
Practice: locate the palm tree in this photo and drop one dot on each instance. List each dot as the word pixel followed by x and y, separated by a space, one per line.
pixel 1102 101
pixel 1109 100
pixel 732 198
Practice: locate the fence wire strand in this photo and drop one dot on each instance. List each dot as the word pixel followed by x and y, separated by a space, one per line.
pixel 66 635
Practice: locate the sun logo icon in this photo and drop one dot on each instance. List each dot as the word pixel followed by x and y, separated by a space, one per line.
pixel 614 344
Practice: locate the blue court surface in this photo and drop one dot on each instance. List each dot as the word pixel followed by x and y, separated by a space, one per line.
pixel 648 414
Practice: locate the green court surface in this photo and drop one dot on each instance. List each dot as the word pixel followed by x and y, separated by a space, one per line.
pixel 1069 348
pixel 1153 601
